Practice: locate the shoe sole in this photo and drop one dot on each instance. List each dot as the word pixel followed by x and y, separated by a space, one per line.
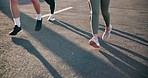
pixel 16 33
pixel 51 20
pixel 94 44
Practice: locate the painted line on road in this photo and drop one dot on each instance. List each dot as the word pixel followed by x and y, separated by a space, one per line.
pixel 58 11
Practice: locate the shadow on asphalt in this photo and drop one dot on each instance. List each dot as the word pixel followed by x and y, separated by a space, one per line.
pixel 32 50
pixel 72 28
pixel 127 68
pixel 82 62
pixel 133 36
pixel 143 41
pixel 126 64
pixel 88 36
pixel 133 65
pixel 130 51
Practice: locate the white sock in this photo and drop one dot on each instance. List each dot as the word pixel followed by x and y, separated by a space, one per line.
pixel 51 14
pixel 39 17
pixel 17 21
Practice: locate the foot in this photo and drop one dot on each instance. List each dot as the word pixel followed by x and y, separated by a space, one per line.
pixel 51 18
pixel 94 42
pixel 106 33
pixel 16 29
pixel 38 25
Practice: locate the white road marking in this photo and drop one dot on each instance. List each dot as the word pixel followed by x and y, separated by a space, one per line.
pixel 58 11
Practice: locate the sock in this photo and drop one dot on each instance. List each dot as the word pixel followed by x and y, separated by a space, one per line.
pixel 17 21
pixel 51 15
pixel 39 17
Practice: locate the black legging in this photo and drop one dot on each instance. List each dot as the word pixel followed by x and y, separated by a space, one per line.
pixel 52 5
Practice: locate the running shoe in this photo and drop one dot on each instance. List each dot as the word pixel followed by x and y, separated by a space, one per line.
pixel 51 17
pixel 94 42
pixel 106 33
pixel 15 30
pixel 38 25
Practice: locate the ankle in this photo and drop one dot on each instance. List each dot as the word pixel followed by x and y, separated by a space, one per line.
pixel 95 36
pixel 39 17
pixel 17 21
pixel 108 28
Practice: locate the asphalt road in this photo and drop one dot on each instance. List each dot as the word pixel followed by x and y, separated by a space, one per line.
pixel 61 50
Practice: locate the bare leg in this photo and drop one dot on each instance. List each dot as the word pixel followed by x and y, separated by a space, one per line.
pixel 14 8
pixel 16 17
pixel 36 5
pixel 15 12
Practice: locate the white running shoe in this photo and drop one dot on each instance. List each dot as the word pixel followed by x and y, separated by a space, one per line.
pixel 51 17
pixel 94 42
pixel 106 33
